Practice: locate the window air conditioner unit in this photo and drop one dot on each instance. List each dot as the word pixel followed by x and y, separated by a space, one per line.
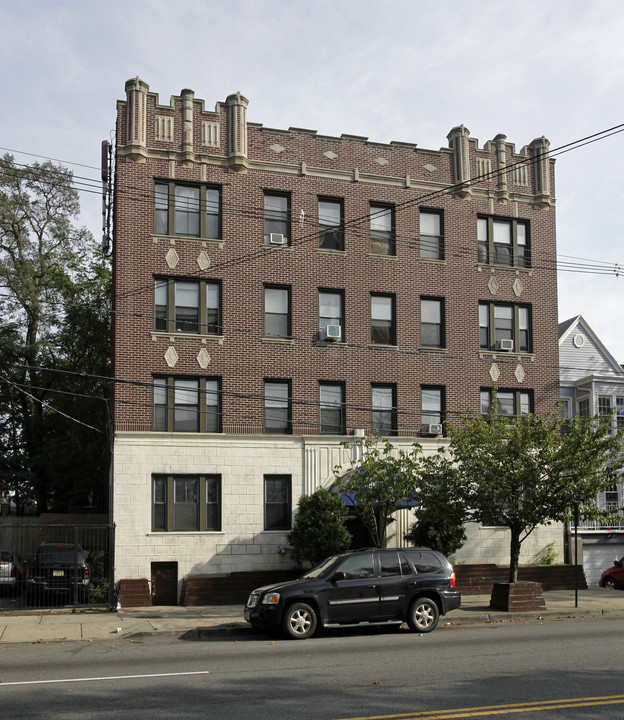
pixel 506 345
pixel 332 332
pixel 431 430
pixel 277 239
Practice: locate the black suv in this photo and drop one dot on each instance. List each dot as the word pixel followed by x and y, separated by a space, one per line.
pixel 366 587
pixel 60 569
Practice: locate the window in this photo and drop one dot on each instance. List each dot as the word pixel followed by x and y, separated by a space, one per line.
pixel 619 412
pixel 383 325
pixel 357 567
pixel 332 409
pixel 432 322
pixel 511 403
pixel 432 405
pixel 330 217
pixel 605 408
pixel 183 503
pixel 505 327
pixel 276 311
pixel 276 218
pixel 187 404
pixel 277 502
pixel 384 416
pixel 331 312
pixel 503 242
pixel 189 210
pixel 187 306
pixel 431 237
pixel 583 407
pixel 277 418
pixel 382 230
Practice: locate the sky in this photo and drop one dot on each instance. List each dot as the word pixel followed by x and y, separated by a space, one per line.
pixel 402 70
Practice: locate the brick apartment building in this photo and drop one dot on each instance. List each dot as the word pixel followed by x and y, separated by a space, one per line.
pixel 278 292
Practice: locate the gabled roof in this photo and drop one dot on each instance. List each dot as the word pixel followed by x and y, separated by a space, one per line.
pixel 569 329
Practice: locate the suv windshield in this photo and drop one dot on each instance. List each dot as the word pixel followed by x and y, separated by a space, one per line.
pixel 58 554
pixel 321 569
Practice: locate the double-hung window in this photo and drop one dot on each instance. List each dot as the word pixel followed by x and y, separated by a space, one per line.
pixel 383 319
pixel 330 219
pixel 277 502
pixel 331 315
pixel 276 218
pixel 384 414
pixel 619 412
pixel 382 229
pixel 431 235
pixel 503 241
pixel 276 311
pixel 432 322
pixel 505 327
pixel 182 404
pixel 509 403
pixel 332 408
pixel 183 503
pixel 186 209
pixel 432 405
pixel 605 408
pixel 187 306
pixel 277 417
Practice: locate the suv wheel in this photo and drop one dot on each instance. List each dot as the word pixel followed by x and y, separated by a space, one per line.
pixel 423 615
pixel 299 621
pixel 609 583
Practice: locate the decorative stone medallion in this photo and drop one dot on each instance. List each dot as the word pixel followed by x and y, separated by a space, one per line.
pixel 518 287
pixel 520 374
pixel 203 358
pixel 331 155
pixel 172 258
pixel 494 372
pixel 277 148
pixel 493 285
pixel 203 260
pixel 171 356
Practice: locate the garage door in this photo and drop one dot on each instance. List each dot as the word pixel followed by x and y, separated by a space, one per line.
pixel 597 558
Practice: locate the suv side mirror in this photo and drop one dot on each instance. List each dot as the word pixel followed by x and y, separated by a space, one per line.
pixel 337 577
pixel 617 563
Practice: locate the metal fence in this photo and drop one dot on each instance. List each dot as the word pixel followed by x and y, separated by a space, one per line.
pixel 54 565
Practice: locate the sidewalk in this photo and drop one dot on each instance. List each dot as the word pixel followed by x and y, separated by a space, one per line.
pixel 206 621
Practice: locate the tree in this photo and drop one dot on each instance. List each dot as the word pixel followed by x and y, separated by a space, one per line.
pixel 442 509
pixel 521 473
pixel 384 480
pixel 319 530
pixel 53 288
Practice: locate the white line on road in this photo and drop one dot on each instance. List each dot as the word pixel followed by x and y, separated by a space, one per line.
pixel 109 677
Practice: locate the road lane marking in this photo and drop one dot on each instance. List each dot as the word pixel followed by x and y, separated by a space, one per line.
pixel 105 677
pixel 486 710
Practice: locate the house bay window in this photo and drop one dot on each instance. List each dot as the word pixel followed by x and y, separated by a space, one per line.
pixel 183 404
pixel 503 241
pixel 187 210
pixel 505 327
pixel 186 503
pixel 187 306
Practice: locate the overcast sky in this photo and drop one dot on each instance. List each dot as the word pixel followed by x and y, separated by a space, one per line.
pixel 406 70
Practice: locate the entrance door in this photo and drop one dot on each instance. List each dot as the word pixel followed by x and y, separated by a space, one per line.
pixel 164 583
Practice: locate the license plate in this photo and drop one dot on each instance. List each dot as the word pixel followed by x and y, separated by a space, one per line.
pixel 58 573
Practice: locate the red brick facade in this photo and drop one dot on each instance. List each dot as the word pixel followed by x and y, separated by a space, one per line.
pixel 243 160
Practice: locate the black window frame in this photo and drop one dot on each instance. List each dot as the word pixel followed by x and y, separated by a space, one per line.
pixel 285 315
pixel 325 320
pixel 504 395
pixel 325 406
pixel 166 316
pixel 164 518
pixel 331 236
pixel 431 246
pixel 166 208
pixel 284 427
pixel 493 329
pixel 382 242
pixel 387 426
pixel 276 221
pixel 209 414
pixel 378 326
pixel 441 329
pixel 269 506
pixel 431 416
pixel 491 252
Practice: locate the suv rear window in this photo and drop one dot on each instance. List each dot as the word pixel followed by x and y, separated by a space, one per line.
pixel 58 554
pixel 424 561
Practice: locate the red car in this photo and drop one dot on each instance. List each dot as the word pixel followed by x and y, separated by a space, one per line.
pixel 613 577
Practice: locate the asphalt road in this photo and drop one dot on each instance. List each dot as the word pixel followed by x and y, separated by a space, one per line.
pixel 570 669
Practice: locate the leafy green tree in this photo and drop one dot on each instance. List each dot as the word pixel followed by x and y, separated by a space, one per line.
pixel 54 331
pixel 521 473
pixel 384 480
pixel 442 509
pixel 319 530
